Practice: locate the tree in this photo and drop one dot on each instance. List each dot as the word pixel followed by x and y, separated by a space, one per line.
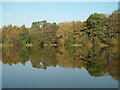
pixel 39 25
pixel 64 31
pixel 96 26
pixel 112 31
pixel 96 21
pixel 23 36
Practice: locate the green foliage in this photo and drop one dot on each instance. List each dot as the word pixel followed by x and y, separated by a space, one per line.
pixel 70 50
pixel 96 21
pixel 85 40
pixel 24 37
pixel 97 41
pixel 24 54
pixel 38 25
pixel 70 39
pixel 54 25
pixel 0 37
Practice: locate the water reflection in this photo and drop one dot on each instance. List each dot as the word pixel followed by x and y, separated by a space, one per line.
pixel 98 61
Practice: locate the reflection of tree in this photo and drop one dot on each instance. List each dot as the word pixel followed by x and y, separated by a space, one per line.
pixel 11 56
pixel 97 61
pixel 105 62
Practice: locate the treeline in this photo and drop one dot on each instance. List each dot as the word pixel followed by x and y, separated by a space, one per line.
pixel 97 61
pixel 97 30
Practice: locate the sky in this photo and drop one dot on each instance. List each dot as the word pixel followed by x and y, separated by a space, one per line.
pixel 19 13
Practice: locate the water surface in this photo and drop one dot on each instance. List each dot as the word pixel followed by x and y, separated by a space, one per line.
pixel 60 67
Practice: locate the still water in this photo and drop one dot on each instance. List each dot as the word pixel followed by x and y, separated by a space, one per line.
pixel 60 67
